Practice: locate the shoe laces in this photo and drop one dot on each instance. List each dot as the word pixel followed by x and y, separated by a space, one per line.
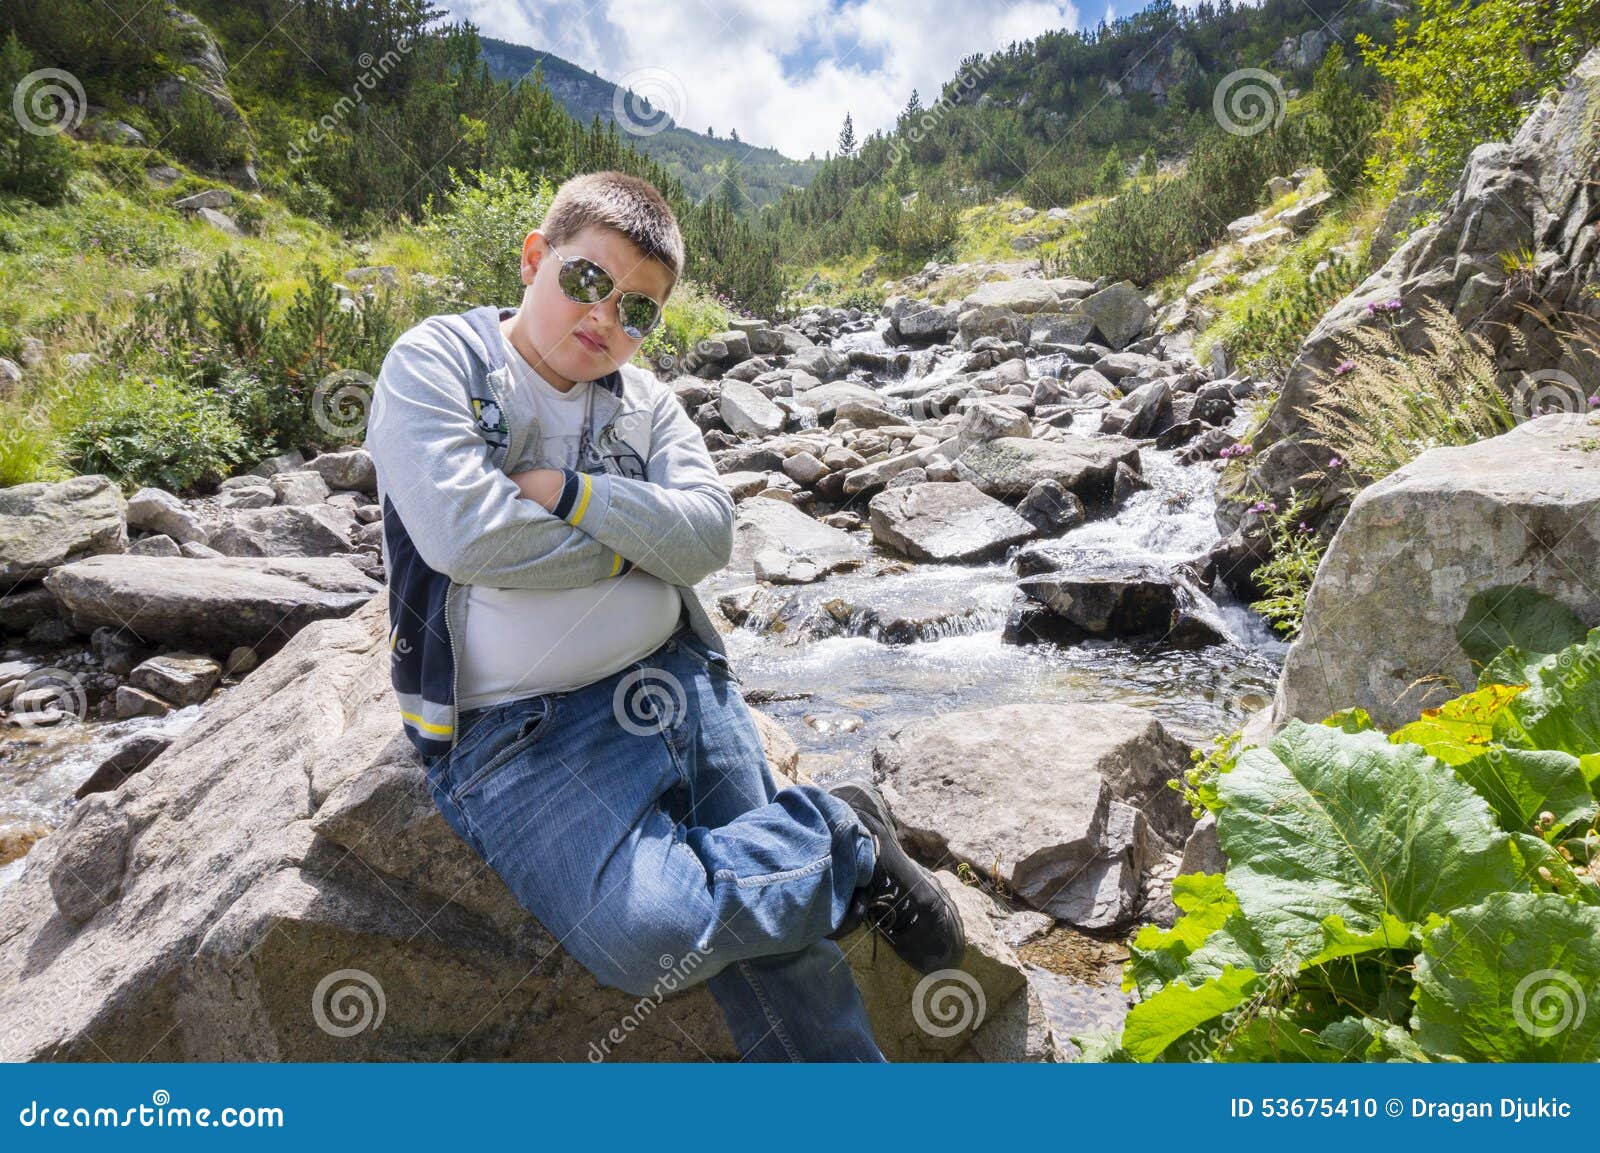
pixel 889 910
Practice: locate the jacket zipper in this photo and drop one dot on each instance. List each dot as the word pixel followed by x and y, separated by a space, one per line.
pixel 450 591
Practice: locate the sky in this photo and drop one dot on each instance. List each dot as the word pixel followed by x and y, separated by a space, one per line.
pixel 782 73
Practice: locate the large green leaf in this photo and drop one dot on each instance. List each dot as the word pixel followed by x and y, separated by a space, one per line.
pixel 1522 784
pixel 1158 955
pixel 1322 823
pixel 1511 979
pixel 1560 708
pixel 1179 1009
pixel 1516 616
pixel 1460 729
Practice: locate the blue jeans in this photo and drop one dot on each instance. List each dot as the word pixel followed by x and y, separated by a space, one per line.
pixel 635 817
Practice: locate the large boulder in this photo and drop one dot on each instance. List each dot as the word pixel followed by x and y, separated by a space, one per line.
pixel 825 399
pixel 213 605
pixel 788 544
pixel 1008 466
pixel 279 886
pixel 1119 313
pixel 1033 796
pixel 1121 600
pixel 748 411
pixel 1024 296
pixel 945 521
pixel 43 525
pixel 285 530
pixel 919 322
pixel 158 511
pixel 1416 547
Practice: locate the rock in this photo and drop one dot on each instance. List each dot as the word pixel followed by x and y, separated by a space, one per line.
pixel 10 377
pixel 918 322
pixel 823 363
pixel 158 545
pixel 1202 852
pixel 1119 313
pixel 985 1009
pixel 297 861
pixel 86 874
pixel 765 526
pixel 871 477
pixel 945 522
pixel 1303 215
pixel 1380 621
pixel 283 462
pixel 43 525
pixel 1144 412
pixel 986 420
pixel 747 411
pixel 825 399
pixel 26 607
pixel 1115 599
pixel 1024 296
pixel 865 415
pixel 132 755
pixel 210 605
pixel 156 510
pixel 241 660
pixel 132 702
pixel 181 678
pixel 222 222
pixel 1072 327
pixel 1050 508
pixel 117 649
pixel 1009 466
pixel 289 530
pixel 804 469
pixel 1024 794
pixel 991 320
pixel 351 470
pixel 206 198
pixel 300 486
pixel 247 496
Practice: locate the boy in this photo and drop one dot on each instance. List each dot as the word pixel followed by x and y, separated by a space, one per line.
pixel 547 508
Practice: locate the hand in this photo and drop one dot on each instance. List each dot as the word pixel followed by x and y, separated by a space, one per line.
pixel 540 484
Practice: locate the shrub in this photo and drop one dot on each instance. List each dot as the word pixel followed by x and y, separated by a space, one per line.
pixel 479 232
pixel 151 429
pixel 1287 576
pixel 1463 71
pixel 38 166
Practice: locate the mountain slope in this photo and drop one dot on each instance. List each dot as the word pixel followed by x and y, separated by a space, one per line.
pixel 692 157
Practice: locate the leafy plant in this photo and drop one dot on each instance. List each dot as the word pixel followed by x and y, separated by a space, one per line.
pixel 479 231
pixel 1296 551
pixel 1423 895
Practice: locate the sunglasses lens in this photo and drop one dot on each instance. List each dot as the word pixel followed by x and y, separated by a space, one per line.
pixel 584 281
pixel 639 313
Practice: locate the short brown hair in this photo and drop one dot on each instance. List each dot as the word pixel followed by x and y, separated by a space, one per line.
pixel 622 203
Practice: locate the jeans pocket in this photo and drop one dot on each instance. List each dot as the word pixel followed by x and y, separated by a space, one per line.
pixel 512 734
pixel 716 662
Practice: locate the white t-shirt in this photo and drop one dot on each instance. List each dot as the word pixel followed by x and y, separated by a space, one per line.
pixel 522 642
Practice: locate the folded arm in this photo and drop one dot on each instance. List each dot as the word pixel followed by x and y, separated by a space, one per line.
pixel 676 524
pixel 462 513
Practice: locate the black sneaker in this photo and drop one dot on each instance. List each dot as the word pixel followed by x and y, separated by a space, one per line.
pixel 902 901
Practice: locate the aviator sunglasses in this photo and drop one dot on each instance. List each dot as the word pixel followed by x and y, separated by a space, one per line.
pixel 583 281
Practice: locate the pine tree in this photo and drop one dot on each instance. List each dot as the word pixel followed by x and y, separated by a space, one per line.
pixel 847 137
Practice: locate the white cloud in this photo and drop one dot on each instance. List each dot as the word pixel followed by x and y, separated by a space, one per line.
pixel 782 74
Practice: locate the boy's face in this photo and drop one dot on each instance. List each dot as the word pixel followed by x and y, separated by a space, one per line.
pixel 576 341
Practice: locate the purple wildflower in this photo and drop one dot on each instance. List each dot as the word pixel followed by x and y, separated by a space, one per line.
pixel 1343 367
